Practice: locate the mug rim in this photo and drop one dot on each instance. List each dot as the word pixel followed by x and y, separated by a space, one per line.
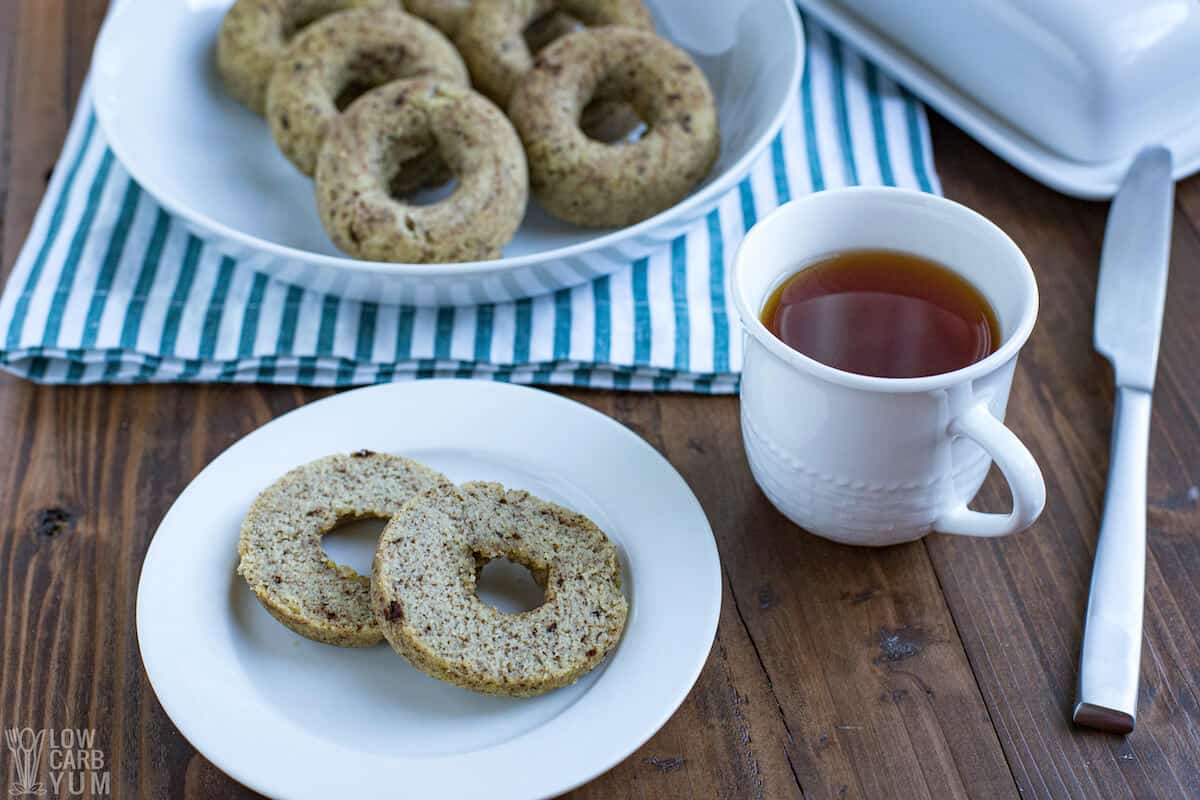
pixel 753 325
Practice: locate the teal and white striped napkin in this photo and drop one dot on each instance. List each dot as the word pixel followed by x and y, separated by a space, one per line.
pixel 109 288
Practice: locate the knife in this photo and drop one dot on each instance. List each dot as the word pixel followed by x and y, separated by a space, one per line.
pixel 1129 311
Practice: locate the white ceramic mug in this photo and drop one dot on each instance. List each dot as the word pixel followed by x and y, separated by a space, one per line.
pixel 877 461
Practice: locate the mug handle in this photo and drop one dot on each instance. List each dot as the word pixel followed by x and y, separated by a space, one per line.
pixel 1025 481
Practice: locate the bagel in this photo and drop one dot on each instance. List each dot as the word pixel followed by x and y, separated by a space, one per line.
pixel 423 590
pixel 254 34
pixel 343 54
pixel 445 15
pixel 594 184
pixel 382 132
pixel 492 40
pixel 280 546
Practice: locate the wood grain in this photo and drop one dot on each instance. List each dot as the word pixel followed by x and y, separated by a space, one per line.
pixel 944 668
pixel 1019 602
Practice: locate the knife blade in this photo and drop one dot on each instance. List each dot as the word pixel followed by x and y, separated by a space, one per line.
pixel 1133 270
pixel 1129 311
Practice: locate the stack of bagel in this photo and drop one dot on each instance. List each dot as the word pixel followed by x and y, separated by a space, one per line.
pixel 577 101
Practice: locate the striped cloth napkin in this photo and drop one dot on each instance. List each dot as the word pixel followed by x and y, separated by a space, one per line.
pixel 109 288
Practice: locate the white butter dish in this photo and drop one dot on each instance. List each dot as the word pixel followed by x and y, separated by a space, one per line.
pixel 1067 91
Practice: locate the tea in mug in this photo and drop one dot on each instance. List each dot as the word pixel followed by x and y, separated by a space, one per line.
pixel 883 313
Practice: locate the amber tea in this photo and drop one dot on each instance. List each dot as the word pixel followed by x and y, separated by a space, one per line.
pixel 883 313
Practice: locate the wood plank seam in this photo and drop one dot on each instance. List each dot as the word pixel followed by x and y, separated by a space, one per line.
pixel 971 663
pixel 1009 738
pixel 737 609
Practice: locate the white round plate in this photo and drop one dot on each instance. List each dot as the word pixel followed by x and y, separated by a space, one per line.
pixel 214 165
pixel 296 719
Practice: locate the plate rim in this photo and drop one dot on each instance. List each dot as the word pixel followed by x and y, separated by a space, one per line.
pixel 647 727
pixel 697 200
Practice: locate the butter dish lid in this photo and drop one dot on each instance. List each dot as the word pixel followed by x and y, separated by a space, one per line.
pixel 1068 91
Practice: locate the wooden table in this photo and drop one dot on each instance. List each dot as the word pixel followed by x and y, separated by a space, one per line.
pixel 939 669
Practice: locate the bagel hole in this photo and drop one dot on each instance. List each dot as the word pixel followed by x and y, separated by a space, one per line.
pixel 352 541
pixel 427 195
pixel 351 92
pixel 549 26
pixel 422 181
pixel 608 120
pixel 508 586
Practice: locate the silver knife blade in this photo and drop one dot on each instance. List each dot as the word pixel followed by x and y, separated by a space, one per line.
pixel 1133 270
